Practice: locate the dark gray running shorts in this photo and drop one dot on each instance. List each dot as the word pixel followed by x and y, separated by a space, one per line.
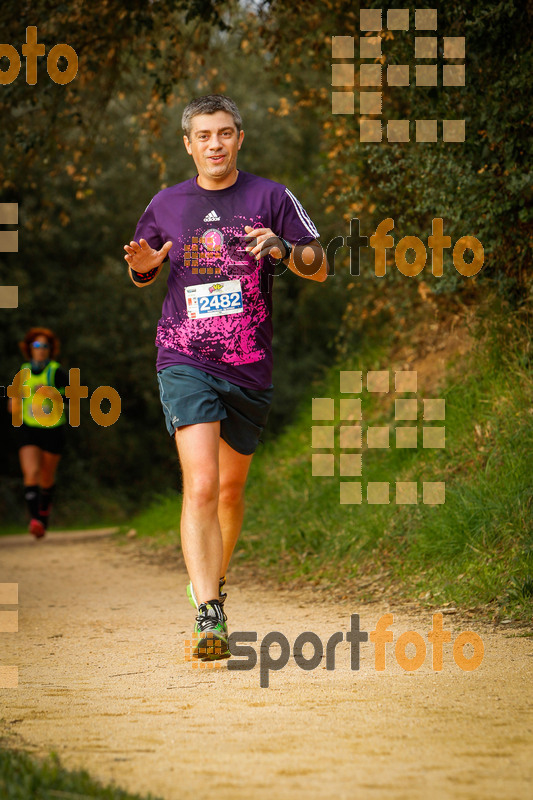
pixel 189 396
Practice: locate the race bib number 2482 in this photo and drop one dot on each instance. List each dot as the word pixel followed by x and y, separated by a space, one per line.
pixel 213 299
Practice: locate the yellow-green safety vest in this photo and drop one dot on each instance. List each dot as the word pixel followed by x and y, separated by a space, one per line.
pixel 45 378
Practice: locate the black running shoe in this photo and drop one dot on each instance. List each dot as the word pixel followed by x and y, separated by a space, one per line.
pixel 210 635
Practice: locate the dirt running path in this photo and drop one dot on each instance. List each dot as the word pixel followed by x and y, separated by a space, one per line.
pixel 104 682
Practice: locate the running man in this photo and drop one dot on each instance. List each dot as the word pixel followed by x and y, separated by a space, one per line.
pixel 226 233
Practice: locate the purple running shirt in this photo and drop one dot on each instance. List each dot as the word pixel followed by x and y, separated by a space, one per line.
pixel 221 328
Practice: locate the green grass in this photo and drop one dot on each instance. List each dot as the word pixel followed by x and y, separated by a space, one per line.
pixel 475 550
pixel 159 522
pixel 24 778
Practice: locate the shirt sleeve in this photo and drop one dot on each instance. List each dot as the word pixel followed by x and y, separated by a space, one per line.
pixel 148 229
pixel 292 222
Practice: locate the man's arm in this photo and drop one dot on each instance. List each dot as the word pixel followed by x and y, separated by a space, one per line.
pixel 144 262
pixel 305 260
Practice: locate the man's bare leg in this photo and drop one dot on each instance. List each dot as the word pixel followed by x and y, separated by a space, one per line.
pixel 233 474
pixel 201 539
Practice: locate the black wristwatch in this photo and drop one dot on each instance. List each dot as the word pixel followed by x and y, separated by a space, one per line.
pixel 288 248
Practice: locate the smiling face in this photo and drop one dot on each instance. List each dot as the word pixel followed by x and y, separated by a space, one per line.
pixel 214 144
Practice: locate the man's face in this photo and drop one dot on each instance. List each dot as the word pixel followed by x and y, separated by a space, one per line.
pixel 214 144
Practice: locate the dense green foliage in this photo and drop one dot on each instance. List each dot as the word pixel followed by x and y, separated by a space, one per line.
pixel 481 187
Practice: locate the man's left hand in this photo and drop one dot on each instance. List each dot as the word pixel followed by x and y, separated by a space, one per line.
pixel 263 242
pixel 306 261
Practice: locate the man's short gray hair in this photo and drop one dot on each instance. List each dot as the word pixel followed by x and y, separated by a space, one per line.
pixel 209 104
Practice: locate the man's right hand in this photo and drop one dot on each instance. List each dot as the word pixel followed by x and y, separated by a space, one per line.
pixel 142 258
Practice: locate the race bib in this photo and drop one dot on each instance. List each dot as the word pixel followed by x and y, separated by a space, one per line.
pixel 213 299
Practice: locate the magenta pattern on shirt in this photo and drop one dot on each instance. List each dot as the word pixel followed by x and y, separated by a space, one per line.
pixel 230 339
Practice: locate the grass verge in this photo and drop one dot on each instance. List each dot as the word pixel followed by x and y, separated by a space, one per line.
pixel 24 778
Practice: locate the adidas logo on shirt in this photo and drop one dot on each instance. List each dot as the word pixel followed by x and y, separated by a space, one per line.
pixel 212 217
